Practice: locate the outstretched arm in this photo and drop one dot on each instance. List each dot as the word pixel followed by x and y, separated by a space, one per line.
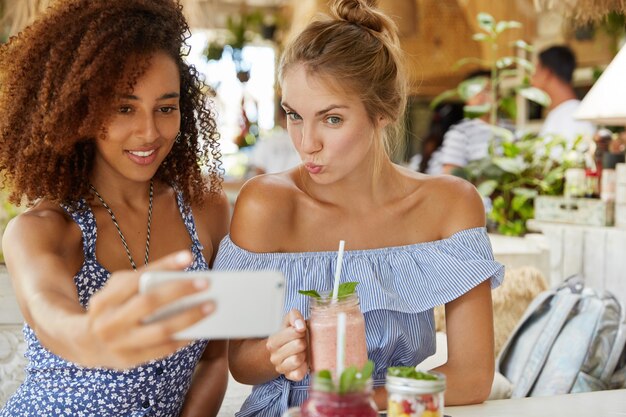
pixel 110 333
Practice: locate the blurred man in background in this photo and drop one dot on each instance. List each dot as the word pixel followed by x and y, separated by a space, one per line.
pixel 553 74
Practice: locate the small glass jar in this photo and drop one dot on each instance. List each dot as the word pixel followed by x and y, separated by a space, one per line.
pixel 332 404
pixel 323 332
pixel 407 397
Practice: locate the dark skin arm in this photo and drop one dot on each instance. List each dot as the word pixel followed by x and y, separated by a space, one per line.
pixel 209 382
pixel 110 333
pixel 210 379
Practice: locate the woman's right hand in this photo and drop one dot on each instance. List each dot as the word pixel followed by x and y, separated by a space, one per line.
pixel 116 335
pixel 288 347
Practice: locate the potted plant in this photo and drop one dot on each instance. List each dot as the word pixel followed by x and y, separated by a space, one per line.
pixel 504 70
pixel 516 170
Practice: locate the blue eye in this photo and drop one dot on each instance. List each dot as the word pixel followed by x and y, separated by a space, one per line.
pixel 334 120
pixel 293 116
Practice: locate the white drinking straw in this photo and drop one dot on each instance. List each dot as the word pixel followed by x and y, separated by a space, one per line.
pixel 338 270
pixel 341 343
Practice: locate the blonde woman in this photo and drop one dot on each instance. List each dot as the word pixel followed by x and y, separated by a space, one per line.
pixel 412 241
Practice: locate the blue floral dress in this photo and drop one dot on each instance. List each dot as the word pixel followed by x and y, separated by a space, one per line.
pixel 398 289
pixel 55 387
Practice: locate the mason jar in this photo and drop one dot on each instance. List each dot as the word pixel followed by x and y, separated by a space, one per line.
pixel 322 403
pixel 323 332
pixel 408 397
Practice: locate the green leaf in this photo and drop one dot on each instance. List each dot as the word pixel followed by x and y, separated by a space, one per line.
pixel 324 374
pixel 476 110
pixel 481 37
pixel 469 88
pixel 367 370
pixel 498 202
pixel 507 73
pixel 526 192
pixel 553 176
pixel 486 22
pixel 410 372
pixel 469 60
pixel 518 201
pixel 509 106
pixel 486 188
pixel 310 293
pixel 323 381
pixel 523 45
pixel 442 97
pixel 536 95
pixel 504 62
pixel 505 134
pixel 505 25
pixel 524 63
pixel 346 289
pixel 510 149
pixel 346 381
pixel 514 166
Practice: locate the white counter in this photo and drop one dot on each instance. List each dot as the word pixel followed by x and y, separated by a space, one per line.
pixel 590 404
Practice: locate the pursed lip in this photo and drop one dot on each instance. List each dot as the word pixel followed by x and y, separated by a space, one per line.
pixel 313 168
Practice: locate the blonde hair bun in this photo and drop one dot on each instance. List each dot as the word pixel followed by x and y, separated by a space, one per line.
pixel 363 13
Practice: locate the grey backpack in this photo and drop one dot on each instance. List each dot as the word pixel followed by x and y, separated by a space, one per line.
pixel 570 339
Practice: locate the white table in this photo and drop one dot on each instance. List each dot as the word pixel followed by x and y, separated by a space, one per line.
pixel 589 404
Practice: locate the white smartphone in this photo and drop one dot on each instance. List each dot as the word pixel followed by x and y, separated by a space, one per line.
pixel 247 303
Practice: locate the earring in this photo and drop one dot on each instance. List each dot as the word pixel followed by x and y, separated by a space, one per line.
pixel 177 139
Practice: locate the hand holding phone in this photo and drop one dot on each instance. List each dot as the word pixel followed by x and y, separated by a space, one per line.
pixel 248 303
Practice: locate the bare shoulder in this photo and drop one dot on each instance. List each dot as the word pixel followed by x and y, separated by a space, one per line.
pixel 46 227
pixel 457 201
pixel 266 203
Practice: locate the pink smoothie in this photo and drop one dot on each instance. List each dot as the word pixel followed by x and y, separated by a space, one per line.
pixel 323 336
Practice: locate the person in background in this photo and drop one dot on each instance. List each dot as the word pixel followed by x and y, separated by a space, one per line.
pixel 274 151
pixel 445 116
pixel 553 74
pixel 468 140
pixel 413 241
pixel 102 125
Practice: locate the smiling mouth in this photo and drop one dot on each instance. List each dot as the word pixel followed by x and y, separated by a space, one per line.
pixel 142 154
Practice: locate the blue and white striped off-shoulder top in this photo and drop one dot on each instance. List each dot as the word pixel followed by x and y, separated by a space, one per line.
pixel 398 288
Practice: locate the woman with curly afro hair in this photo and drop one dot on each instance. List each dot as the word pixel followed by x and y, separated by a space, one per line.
pixel 108 136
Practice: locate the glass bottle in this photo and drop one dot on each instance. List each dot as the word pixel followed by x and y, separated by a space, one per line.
pixel 323 332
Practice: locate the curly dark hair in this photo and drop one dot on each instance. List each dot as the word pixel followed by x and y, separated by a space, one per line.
pixel 59 79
